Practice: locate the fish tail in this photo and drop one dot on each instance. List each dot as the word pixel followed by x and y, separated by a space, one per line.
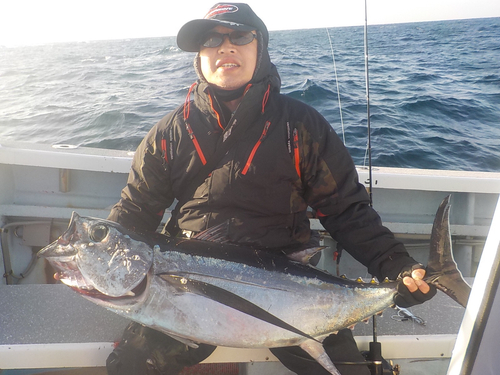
pixel 442 269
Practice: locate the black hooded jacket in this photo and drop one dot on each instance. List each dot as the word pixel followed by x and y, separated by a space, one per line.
pixel 288 159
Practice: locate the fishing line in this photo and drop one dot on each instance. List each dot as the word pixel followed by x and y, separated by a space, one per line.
pixel 337 82
pixel 375 353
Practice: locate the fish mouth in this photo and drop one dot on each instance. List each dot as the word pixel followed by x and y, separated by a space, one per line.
pixel 130 298
pixel 68 273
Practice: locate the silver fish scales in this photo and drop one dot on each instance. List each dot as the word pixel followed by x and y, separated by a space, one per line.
pixel 228 295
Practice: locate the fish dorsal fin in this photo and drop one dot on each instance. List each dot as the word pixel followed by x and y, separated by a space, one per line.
pixel 218 233
pixel 229 299
pixel 304 255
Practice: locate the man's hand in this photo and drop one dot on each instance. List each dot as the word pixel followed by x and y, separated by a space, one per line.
pixel 416 282
pixel 413 290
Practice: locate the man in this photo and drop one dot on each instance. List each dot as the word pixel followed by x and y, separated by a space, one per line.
pixel 279 157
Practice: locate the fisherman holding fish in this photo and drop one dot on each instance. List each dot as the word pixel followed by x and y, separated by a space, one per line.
pixel 240 155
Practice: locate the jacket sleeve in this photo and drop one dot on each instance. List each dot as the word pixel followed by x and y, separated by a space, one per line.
pixel 331 187
pixel 149 190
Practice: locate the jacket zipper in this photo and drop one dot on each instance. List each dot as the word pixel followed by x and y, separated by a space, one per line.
pixel 195 142
pixel 296 153
pixel 187 110
pixel 164 149
pixel 255 147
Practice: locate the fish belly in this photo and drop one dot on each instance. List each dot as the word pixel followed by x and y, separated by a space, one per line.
pixel 317 310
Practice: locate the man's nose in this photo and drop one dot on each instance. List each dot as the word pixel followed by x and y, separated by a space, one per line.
pixel 226 44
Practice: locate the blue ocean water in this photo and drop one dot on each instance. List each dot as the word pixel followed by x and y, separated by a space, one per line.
pixel 434 90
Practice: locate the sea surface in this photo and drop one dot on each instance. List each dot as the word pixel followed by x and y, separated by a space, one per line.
pixel 434 90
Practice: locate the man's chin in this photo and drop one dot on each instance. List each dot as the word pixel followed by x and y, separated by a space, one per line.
pixel 229 83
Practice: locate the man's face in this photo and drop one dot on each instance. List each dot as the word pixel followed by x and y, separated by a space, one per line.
pixel 228 66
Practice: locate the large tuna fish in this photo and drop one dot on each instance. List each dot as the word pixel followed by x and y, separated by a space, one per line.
pixel 221 294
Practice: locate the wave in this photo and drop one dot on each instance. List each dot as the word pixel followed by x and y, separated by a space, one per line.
pixel 434 90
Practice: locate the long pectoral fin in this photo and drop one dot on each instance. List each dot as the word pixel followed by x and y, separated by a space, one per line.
pixel 230 299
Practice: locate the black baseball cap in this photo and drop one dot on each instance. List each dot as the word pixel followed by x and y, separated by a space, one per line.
pixel 237 16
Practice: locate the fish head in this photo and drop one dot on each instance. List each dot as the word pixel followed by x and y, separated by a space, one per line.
pixel 100 259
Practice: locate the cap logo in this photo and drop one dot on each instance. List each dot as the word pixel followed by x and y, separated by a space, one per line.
pixel 221 9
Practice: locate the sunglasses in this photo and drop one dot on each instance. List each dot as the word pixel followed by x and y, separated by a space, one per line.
pixel 238 38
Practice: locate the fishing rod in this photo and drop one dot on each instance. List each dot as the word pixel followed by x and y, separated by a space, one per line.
pixel 375 353
pixel 367 82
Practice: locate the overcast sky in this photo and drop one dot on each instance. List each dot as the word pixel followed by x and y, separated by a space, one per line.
pixel 26 22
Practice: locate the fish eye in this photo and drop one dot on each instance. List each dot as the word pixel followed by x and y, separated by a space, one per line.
pixel 98 233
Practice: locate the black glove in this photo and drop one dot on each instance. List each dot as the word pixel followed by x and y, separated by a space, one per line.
pixel 340 348
pixel 405 298
pixel 145 351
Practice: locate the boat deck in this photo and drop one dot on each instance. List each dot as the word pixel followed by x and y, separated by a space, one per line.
pixel 49 326
pixel 39 320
